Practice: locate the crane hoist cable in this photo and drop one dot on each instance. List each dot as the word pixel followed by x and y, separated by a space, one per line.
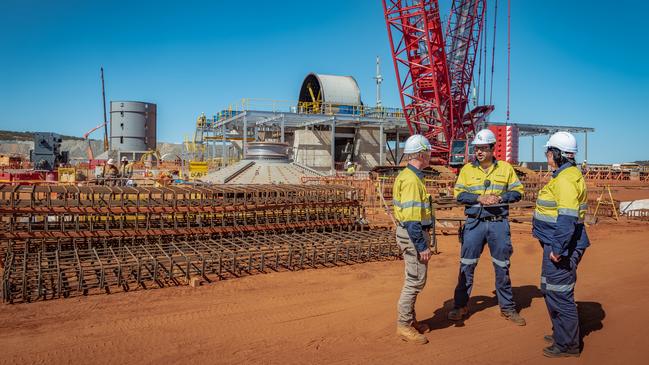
pixel 484 80
pixel 509 32
pixel 493 52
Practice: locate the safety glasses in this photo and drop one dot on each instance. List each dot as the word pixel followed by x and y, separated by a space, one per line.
pixel 483 148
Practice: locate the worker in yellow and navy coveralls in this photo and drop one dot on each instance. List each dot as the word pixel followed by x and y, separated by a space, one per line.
pixel 559 225
pixel 486 187
pixel 414 212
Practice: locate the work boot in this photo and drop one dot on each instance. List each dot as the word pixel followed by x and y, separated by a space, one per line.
pixel 548 339
pixel 421 327
pixel 513 316
pixel 458 314
pixel 553 351
pixel 410 334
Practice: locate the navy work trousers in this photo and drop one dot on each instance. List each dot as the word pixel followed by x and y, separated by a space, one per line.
pixel 498 236
pixel 558 281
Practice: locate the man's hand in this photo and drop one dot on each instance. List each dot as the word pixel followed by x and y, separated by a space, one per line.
pixel 424 255
pixel 489 199
pixel 554 258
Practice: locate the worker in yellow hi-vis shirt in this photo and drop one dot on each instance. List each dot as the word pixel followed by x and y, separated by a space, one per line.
pixel 413 210
pixel 486 187
pixel 559 225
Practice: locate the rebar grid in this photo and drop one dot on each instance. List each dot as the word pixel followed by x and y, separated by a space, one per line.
pixel 67 212
pixel 121 265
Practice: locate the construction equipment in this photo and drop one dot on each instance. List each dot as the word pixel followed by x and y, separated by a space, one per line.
pixel 91 155
pixel 435 72
pixel 610 203
pixel 103 95
pixel 47 153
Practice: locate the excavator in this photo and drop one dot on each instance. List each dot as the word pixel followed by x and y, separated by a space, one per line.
pixel 91 155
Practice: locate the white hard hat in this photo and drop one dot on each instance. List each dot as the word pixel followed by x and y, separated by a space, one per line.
pixel 110 161
pixel 417 143
pixel 483 137
pixel 124 159
pixel 563 141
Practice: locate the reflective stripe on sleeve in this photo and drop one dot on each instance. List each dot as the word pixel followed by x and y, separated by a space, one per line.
pixel 514 184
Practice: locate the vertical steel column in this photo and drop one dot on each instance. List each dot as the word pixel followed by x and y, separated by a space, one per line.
pixel 396 150
pixel 282 123
pixel 333 146
pixel 223 157
pixel 244 142
pixel 586 146
pixel 382 145
pixel 532 148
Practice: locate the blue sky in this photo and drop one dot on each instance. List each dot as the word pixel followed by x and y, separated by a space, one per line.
pixel 581 63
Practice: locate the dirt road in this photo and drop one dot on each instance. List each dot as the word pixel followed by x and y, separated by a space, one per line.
pixel 345 315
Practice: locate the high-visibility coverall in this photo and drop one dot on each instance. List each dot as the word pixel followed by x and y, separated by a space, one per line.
pixel 414 211
pixel 486 224
pixel 559 225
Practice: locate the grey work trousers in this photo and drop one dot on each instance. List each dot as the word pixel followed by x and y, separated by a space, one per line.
pixel 415 276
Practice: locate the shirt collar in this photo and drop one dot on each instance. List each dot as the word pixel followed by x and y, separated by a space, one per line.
pixel 418 172
pixel 563 167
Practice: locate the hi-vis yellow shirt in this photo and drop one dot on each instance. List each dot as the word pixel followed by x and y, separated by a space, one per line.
pixel 500 179
pixel 560 210
pixel 411 201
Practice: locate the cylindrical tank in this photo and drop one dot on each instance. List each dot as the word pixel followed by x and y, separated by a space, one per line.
pixel 330 89
pixel 132 126
pixel 267 151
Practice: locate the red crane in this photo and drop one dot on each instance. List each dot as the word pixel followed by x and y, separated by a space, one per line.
pixel 435 71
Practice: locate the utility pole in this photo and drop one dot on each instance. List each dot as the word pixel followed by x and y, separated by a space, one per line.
pixel 379 80
pixel 103 95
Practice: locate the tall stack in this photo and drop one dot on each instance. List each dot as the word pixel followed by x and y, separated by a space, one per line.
pixel 507 146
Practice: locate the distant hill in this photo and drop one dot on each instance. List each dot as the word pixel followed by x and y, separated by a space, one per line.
pixel 19 143
pixel 28 136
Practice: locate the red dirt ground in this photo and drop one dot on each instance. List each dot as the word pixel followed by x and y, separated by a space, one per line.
pixel 346 315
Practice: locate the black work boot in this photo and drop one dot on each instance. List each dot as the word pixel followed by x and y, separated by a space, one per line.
pixel 513 316
pixel 554 351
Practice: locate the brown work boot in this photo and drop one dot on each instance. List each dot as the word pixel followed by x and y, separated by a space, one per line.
pixel 421 327
pixel 548 339
pixel 513 316
pixel 410 334
pixel 458 314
